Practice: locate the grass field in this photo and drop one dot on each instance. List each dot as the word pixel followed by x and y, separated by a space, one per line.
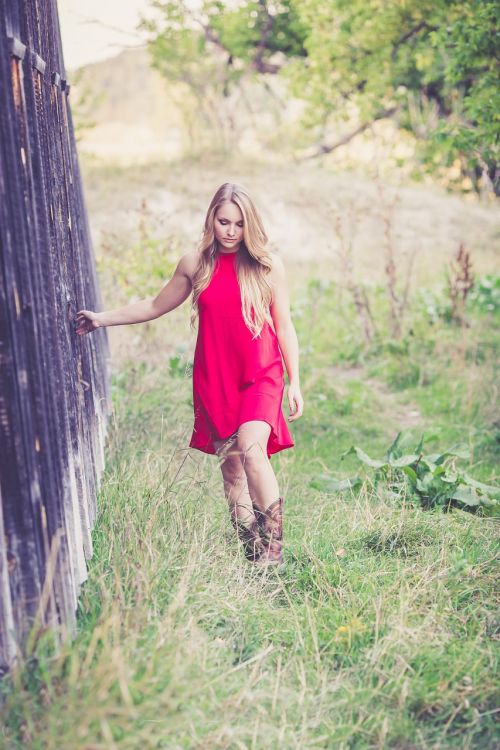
pixel 382 629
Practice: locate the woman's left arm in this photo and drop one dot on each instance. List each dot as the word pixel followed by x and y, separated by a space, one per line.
pixel 287 336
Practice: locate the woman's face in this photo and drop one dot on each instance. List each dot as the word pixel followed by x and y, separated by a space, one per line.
pixel 228 226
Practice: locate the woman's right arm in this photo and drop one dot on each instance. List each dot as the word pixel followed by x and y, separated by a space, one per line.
pixel 173 294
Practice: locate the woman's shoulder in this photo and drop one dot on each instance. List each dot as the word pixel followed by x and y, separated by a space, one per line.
pixel 277 265
pixel 189 262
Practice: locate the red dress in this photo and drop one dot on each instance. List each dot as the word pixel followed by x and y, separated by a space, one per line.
pixel 235 379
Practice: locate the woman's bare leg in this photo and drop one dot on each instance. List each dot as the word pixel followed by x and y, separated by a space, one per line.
pixel 235 481
pixel 251 443
pixel 252 491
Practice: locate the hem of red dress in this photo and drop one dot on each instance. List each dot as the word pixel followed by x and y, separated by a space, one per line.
pixel 213 452
pixel 276 448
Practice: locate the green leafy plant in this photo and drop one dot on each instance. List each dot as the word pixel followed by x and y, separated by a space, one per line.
pixel 179 365
pixel 433 479
pixel 485 296
pixel 433 304
pixel 328 483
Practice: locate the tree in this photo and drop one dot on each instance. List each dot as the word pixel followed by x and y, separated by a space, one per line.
pixel 211 48
pixel 431 65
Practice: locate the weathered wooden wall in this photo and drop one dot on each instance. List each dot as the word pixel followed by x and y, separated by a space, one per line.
pixel 54 393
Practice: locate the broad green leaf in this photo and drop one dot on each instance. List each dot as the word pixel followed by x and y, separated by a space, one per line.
pixel 450 478
pixel 486 489
pixel 424 483
pixel 466 495
pixel 418 449
pixel 394 445
pixel 338 485
pixel 430 464
pixel 399 463
pixel 327 483
pixel 488 502
pixel 457 451
pixel 364 457
pixel 410 473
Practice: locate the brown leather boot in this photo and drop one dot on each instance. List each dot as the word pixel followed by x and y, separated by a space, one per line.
pixel 249 536
pixel 270 523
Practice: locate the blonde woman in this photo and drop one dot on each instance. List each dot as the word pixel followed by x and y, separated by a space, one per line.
pixel 240 297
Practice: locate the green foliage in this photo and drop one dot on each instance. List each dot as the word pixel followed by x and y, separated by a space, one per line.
pixel 257 28
pixel 327 483
pixel 208 48
pixel 483 298
pixel 433 479
pixel 137 269
pixel 403 373
pixel 249 32
pixel 140 268
pixel 179 365
pixel 391 608
pixel 469 51
pixel 433 66
pixel 400 537
pixel 434 63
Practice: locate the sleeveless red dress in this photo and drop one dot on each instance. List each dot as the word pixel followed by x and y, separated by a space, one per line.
pixel 235 378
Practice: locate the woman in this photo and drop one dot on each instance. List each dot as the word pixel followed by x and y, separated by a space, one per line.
pixel 239 293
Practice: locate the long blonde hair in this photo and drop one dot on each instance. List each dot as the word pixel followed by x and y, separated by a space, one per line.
pixel 253 261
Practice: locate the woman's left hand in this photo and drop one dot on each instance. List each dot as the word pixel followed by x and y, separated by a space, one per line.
pixel 295 402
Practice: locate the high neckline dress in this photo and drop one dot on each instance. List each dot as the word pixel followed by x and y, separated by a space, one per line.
pixel 235 379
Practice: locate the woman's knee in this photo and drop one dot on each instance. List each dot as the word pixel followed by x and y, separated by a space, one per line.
pixel 231 468
pixel 230 461
pixel 251 441
pixel 225 448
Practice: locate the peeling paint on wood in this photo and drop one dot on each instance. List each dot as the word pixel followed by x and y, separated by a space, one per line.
pixel 16 302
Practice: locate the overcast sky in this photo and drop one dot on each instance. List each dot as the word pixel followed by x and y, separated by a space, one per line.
pixel 95 29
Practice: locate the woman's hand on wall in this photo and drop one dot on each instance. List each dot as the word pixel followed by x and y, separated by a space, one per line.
pixel 86 321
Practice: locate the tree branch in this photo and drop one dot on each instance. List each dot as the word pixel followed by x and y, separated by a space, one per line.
pixel 324 148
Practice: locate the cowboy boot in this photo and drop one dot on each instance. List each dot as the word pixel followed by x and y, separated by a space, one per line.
pixel 249 536
pixel 270 523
